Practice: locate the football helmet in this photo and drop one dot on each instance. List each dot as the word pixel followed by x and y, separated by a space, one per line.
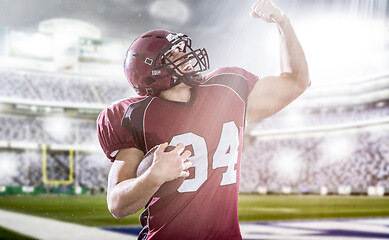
pixel 149 69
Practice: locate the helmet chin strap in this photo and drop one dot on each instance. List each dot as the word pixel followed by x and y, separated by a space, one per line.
pixel 174 81
pixel 190 80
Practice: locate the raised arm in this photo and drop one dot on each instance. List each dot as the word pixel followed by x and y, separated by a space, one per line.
pixel 271 94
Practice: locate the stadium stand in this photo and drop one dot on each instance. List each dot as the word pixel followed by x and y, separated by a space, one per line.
pixel 65 88
pixel 28 127
pixel 308 162
pixel 274 158
pixel 93 172
pixel 35 130
pixel 20 168
pixel 334 116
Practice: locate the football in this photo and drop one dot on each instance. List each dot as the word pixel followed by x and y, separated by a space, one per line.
pixel 168 187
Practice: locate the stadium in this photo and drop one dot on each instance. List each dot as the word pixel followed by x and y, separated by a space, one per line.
pixel 318 169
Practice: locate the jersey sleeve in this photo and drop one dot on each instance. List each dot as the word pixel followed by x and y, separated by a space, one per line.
pixel 239 79
pixel 250 77
pixel 112 136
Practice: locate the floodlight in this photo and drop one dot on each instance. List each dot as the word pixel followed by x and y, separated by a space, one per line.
pixel 58 127
pixel 288 163
pixel 171 11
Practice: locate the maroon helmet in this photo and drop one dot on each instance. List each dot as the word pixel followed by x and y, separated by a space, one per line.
pixel 148 68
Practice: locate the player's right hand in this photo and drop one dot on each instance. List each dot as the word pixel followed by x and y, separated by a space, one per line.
pixel 267 11
pixel 171 165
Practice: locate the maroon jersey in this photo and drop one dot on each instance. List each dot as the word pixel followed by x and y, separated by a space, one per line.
pixel 211 125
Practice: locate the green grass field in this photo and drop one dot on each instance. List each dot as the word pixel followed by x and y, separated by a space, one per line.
pixel 92 210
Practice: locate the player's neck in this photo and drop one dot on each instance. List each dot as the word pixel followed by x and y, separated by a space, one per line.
pixel 179 93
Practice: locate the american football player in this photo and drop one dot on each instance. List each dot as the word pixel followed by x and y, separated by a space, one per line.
pixel 203 117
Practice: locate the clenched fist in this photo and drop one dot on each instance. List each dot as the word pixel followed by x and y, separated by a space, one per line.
pixel 267 10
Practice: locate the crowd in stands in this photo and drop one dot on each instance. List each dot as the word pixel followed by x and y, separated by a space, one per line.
pixel 20 168
pixel 359 161
pixel 307 161
pixel 54 87
pixel 39 130
pixel 93 171
pixel 24 168
pixel 335 117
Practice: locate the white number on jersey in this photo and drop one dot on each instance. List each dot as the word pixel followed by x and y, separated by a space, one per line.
pixel 198 158
pixel 226 155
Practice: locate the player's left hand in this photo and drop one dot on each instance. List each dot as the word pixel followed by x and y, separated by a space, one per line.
pixel 267 10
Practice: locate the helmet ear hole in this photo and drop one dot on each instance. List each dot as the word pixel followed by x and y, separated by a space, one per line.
pixel 149 80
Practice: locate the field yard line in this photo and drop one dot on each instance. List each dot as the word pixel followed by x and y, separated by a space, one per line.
pixel 44 228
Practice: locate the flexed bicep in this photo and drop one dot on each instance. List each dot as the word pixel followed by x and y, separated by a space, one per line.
pixel 270 95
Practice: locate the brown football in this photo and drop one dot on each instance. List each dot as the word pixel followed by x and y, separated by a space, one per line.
pixel 168 187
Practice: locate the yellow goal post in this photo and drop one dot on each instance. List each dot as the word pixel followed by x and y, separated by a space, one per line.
pixel 44 169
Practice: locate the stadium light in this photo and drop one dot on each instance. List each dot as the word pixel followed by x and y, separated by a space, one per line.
pixel 68 26
pixel 31 44
pixel 170 11
pixel 338 148
pixel 288 163
pixel 343 48
pixel 294 118
pixel 58 127
pixel 8 167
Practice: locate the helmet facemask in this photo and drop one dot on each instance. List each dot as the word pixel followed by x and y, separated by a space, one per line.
pixel 198 59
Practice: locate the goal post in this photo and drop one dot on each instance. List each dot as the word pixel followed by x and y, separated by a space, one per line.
pixel 57 182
